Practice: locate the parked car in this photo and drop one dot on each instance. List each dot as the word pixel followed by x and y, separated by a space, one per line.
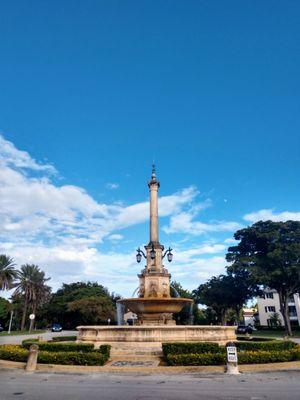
pixel 1 329
pixel 244 329
pixel 56 328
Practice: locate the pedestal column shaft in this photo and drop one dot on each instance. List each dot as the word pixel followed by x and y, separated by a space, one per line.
pixel 154 213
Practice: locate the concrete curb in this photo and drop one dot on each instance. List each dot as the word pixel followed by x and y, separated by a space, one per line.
pixel 209 369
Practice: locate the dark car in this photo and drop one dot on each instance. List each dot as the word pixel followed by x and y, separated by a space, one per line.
pixel 56 328
pixel 244 329
pixel 1 329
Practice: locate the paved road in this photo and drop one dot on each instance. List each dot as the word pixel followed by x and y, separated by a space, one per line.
pixel 17 339
pixel 40 385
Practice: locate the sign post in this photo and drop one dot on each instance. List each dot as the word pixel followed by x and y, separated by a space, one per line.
pixel 31 317
pixel 232 359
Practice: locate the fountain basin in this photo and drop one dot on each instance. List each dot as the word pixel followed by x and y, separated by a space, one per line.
pixel 155 305
pixel 155 311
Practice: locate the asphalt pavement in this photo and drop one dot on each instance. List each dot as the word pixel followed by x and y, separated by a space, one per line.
pixel 39 385
pixel 17 339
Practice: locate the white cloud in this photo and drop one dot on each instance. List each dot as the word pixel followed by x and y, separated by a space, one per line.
pixel 269 214
pixel 112 186
pixel 115 237
pixel 11 156
pixel 184 222
pixel 60 227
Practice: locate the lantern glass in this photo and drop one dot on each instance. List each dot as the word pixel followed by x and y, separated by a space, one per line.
pixel 170 256
pixel 138 257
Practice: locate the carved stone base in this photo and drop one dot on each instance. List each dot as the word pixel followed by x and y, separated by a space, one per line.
pixel 155 319
pixel 144 334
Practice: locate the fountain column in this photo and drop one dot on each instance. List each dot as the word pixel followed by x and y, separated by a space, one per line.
pixel 153 187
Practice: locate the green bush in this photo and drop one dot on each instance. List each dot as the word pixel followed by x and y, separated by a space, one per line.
pixel 72 358
pixel 254 339
pixel 194 347
pixel 13 353
pixel 245 357
pixel 62 347
pixel 18 353
pixel 105 349
pixel 196 359
pixel 31 341
pixel 262 356
pixel 64 338
pixel 267 346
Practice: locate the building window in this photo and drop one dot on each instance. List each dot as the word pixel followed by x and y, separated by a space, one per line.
pixel 269 295
pixel 292 311
pixel 270 309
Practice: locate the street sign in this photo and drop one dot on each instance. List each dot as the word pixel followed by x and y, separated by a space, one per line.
pixel 231 354
pixel 31 316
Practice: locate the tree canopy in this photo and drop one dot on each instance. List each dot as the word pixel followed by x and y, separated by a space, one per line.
pixel 66 306
pixel 269 253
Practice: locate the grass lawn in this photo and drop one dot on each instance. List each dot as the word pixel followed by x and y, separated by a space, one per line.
pixel 274 334
pixel 14 333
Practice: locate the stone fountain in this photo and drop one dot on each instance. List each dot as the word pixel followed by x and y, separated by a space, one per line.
pixel 154 305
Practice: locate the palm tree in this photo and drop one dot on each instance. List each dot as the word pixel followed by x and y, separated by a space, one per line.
pixel 7 272
pixel 31 286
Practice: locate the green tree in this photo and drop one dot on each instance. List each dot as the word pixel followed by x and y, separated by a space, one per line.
pixel 58 309
pixel 32 288
pixel 269 253
pixel 5 308
pixel 8 273
pixel 93 310
pixel 189 312
pixel 224 292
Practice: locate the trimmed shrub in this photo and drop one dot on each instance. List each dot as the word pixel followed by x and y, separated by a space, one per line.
pixel 18 353
pixel 194 347
pixel 13 353
pixel 246 357
pixel 105 349
pixel 274 345
pixel 254 339
pixel 262 356
pixel 64 338
pixel 72 358
pixel 196 359
pixel 61 347
pixel 31 341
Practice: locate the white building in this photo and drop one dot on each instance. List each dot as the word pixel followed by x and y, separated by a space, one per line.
pixel 268 305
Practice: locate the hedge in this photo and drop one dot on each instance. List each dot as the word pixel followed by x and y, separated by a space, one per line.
pixel 13 353
pixel 72 358
pixel 204 347
pixel 275 345
pixel 64 338
pixel 254 339
pixel 246 357
pixel 184 348
pixel 18 353
pixel 48 346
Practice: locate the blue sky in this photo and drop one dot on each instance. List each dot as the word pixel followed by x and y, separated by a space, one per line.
pixel 94 91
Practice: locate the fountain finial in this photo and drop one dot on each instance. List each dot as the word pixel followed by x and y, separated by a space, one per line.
pixel 153 175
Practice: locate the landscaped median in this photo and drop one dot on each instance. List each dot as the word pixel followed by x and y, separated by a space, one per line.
pixel 58 353
pixel 185 354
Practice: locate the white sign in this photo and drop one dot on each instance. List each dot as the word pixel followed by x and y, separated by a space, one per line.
pixel 31 316
pixel 232 354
